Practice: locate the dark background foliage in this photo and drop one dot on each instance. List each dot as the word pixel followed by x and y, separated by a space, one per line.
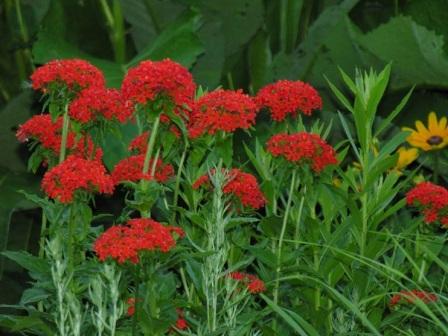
pixel 230 43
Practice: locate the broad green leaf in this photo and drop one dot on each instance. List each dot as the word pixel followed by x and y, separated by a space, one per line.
pixel 51 44
pixel 416 52
pixel 178 41
pixel 148 18
pixel 260 58
pixel 11 200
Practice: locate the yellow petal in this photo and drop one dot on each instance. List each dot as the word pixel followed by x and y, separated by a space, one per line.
pixel 421 128
pixel 442 123
pixel 432 122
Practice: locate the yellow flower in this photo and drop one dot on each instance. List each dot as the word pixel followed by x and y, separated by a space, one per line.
pixel 406 157
pixel 433 137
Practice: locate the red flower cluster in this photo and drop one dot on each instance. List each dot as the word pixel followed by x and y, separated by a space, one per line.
pixel 412 296
pixel 140 143
pixel 42 129
pixel 74 74
pixel 131 169
pixel 303 148
pixel 243 186
pixel 75 173
pixel 99 102
pixel 85 148
pixel 124 243
pixel 286 97
pixel 148 80
pixel 254 284
pixel 433 200
pixel 222 110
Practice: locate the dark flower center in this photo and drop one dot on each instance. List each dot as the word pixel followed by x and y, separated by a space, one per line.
pixel 434 140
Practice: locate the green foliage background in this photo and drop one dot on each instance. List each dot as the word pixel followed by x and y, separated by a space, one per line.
pixel 233 43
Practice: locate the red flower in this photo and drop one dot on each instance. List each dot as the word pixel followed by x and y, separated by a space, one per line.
pixel 243 186
pixel 124 243
pixel 42 129
pixel 140 143
pixel 99 102
pixel 75 173
pixel 412 296
pixel 149 80
pixel 303 148
pixel 432 199
pixel 253 284
pixel 74 74
pixel 222 110
pixel 131 169
pixel 131 308
pixel 86 149
pixel 287 97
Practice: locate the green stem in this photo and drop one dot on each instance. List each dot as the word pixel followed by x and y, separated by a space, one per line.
pixel 177 185
pixel 436 167
pixel 299 218
pixel 185 284
pixel 151 142
pixel 43 230
pixel 136 300
pixel 119 34
pixel 283 32
pixel 280 243
pixel 364 224
pixel 316 268
pixel 65 125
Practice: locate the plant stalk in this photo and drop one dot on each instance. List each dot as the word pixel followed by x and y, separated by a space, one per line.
pixel 280 243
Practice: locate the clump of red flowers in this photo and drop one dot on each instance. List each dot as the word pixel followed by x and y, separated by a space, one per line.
pixel 253 284
pixel 243 186
pixel 222 110
pixel 149 80
pixel 75 173
pixel 412 296
pixel 99 102
pixel 125 242
pixel 40 128
pixel 433 201
pixel 74 74
pixel 131 169
pixel 287 97
pixel 303 148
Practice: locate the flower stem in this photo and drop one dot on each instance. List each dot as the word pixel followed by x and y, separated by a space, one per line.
pixel 65 125
pixel 136 299
pixel 280 242
pixel 177 185
pixel 151 142
pixel 436 167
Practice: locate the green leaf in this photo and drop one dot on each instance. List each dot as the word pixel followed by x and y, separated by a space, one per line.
pixel 289 320
pixel 31 263
pixel 260 58
pixel 178 41
pixel 51 44
pixel 11 200
pixel 148 18
pixel 15 113
pixel 417 53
